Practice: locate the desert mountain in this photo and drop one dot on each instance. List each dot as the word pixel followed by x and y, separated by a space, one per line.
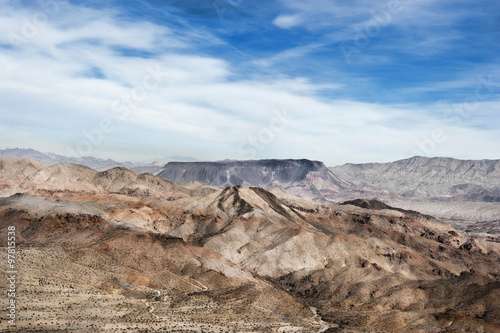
pixel 413 178
pixel 424 177
pixel 368 260
pixel 34 177
pixel 465 193
pixel 215 253
pixel 462 193
pixel 91 162
pixel 90 274
pixel 300 177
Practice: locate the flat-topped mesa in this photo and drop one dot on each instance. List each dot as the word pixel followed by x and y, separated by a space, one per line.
pixel 302 177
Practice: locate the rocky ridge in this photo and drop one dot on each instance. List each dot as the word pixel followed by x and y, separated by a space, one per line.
pixel 423 177
pixel 365 266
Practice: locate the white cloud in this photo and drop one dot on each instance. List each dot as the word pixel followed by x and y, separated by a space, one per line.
pixel 287 21
pixel 199 109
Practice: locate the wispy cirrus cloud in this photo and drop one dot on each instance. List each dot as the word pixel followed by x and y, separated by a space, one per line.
pixel 222 82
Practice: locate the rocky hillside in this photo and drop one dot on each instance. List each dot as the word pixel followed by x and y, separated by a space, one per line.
pixel 83 272
pixel 234 259
pixel 464 193
pixel 34 177
pixel 300 177
pixel 423 177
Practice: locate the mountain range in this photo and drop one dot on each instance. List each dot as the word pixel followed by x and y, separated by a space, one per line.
pixel 421 177
pixel 89 161
pixel 132 251
pixel 416 177
pixel 464 193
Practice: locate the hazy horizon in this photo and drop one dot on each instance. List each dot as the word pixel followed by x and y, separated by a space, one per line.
pixel 176 158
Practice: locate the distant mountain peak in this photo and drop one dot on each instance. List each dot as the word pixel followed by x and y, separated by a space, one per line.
pixel 89 161
pixel 425 177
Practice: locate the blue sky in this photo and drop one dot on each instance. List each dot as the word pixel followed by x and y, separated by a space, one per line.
pixel 336 81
